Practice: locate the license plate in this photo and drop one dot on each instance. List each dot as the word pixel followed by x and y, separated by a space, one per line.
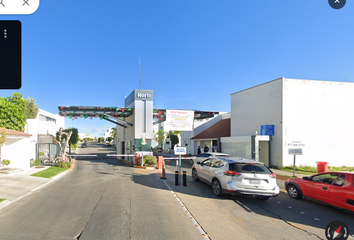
pixel 255 181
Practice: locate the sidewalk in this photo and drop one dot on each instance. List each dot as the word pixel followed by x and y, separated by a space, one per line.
pixel 283 175
pixel 16 184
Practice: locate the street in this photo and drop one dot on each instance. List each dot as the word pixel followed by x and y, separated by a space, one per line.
pixel 104 198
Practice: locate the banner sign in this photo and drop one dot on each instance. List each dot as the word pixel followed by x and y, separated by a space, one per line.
pixel 179 120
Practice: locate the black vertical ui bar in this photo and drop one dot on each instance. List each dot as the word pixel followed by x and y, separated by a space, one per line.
pixel 10 55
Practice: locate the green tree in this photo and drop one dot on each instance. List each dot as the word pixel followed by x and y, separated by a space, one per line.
pixel 13 112
pixel 160 137
pixel 32 108
pixel 63 138
pixel 3 134
pixel 174 140
pixel 114 133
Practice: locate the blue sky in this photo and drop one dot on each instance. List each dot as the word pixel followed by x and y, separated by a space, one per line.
pixel 194 54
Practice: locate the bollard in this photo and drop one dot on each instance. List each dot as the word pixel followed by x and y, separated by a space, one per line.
pixel 176 178
pixel 184 178
pixel 163 170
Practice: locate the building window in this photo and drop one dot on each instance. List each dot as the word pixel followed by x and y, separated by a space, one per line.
pixel 43 118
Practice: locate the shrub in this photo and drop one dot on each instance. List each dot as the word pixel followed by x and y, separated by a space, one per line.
pixel 37 162
pixel 148 160
pixel 6 162
pixel 64 165
pixel 41 153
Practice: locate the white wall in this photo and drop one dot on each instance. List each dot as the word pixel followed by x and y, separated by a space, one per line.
pixel 36 126
pixel 198 127
pixel 319 114
pixel 237 146
pixel 19 150
pixel 260 105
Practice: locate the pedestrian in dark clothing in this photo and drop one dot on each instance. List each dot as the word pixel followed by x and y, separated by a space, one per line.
pixel 206 149
pixel 199 150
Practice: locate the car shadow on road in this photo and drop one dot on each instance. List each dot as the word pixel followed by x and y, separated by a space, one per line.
pixel 304 215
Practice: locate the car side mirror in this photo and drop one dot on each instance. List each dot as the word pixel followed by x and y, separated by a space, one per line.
pixel 306 178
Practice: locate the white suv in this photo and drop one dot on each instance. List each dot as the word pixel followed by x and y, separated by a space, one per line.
pixel 237 176
pixel 201 157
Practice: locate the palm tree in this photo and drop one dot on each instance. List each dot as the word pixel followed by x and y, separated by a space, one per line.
pixel 160 136
pixel 114 133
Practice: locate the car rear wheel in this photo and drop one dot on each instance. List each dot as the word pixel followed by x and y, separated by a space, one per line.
pixel 294 192
pixel 195 175
pixel 217 189
pixel 262 197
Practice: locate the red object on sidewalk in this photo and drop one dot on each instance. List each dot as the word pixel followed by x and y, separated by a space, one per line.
pixel 137 156
pixel 66 157
pixel 161 165
pixel 322 167
pixel 160 162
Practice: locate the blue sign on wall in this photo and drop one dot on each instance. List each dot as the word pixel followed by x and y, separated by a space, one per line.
pixel 267 130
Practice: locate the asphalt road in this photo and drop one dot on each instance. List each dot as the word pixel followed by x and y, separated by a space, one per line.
pixel 100 199
pixel 106 199
pixel 277 218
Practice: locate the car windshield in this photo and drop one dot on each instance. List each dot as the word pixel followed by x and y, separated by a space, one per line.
pixel 249 168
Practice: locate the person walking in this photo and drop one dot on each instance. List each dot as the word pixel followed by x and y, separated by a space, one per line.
pixel 199 150
pixel 206 149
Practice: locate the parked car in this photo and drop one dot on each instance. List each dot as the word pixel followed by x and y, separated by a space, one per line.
pixel 84 145
pixel 237 176
pixel 332 188
pixel 203 156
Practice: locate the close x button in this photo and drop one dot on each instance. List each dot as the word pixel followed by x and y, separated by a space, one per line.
pixel 18 6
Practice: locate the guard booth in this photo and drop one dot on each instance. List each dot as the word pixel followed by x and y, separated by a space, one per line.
pixel 135 122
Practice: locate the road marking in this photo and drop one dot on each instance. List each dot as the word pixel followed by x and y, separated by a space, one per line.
pixel 297 226
pixel 282 190
pixel 236 219
pixel 196 224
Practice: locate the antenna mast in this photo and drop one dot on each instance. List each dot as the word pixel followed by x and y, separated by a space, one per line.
pixel 140 71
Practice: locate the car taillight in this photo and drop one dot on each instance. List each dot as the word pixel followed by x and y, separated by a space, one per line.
pixel 231 173
pixel 272 175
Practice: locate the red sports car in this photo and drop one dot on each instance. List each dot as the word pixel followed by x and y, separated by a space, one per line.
pixel 333 188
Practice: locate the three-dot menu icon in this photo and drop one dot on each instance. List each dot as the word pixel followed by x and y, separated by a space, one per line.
pixel 10 57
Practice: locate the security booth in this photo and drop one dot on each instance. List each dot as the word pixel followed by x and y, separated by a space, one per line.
pixel 135 122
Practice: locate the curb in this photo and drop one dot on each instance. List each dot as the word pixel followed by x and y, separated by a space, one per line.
pixel 51 180
pixel 5 203
pixel 72 165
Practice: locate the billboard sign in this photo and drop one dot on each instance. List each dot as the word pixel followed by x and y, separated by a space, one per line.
pixel 179 120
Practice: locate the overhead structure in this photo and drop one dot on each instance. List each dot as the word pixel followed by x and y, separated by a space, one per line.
pixel 115 114
pixel 137 119
pixel 111 114
pixel 160 115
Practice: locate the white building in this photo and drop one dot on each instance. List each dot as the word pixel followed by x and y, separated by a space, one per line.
pixel 206 132
pixel 315 116
pixel 19 149
pixel 45 126
pixel 84 135
pixel 107 133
